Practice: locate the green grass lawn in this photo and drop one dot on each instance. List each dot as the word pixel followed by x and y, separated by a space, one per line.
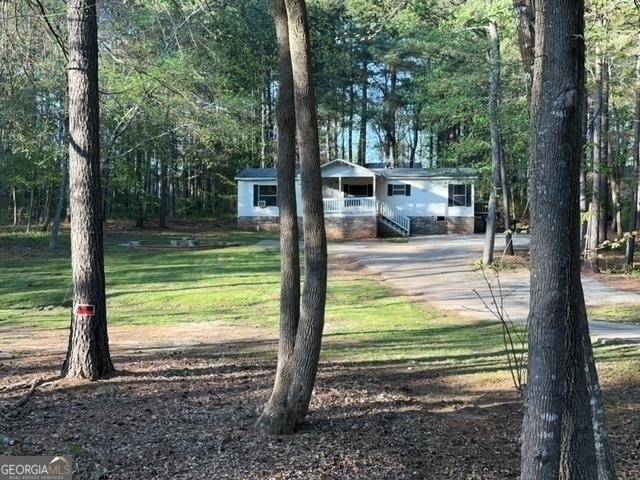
pixel 616 313
pixel 239 285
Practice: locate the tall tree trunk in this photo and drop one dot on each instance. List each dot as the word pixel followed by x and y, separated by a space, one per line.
pixel 299 372
pixel 37 207
pixel 416 138
pixel 615 187
pixel 362 141
pixel 506 206
pixel 265 151
pixel 351 113
pixel 164 191
pixel 46 210
pixel 31 202
pixel 275 415
pixel 61 206
pixel 584 203
pixel 32 196
pixel 558 439
pixel 139 189
pixel 615 147
pixel 88 354
pixel 633 216
pixel 343 126
pixel 328 144
pixel 336 132
pixel 596 201
pixel 525 16
pixel 390 121
pixel 604 153
pixel 15 205
pixel 496 147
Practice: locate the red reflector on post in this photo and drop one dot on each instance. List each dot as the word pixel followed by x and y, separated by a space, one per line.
pixel 85 310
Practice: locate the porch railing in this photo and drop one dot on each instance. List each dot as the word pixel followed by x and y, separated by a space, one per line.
pixel 350 206
pixel 394 216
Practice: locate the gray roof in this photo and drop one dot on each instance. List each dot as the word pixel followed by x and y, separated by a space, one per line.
pixel 258 174
pixel 390 173
pixel 424 173
pixel 375 165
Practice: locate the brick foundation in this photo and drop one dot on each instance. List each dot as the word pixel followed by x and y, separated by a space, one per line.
pixel 450 225
pixel 338 228
pixel 351 228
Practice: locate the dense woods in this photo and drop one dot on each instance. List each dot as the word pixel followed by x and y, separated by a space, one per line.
pixel 189 90
pixel 143 112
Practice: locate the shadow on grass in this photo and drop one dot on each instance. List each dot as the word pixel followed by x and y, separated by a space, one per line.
pixel 200 402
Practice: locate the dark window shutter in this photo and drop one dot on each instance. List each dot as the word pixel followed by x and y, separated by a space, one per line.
pixel 407 190
pixel 451 195
pixel 390 190
pixel 255 195
pixel 468 195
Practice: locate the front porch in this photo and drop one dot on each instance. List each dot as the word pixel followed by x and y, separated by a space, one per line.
pixel 350 206
pixel 367 207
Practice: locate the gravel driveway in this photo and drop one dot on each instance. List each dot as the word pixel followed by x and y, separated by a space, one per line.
pixel 441 270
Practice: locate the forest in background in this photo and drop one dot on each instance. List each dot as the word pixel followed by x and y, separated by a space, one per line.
pixel 188 93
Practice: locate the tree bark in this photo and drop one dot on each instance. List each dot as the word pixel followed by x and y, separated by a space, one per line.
pixel 274 417
pixel 496 147
pixel 391 104
pixel 362 141
pixel 164 193
pixel 31 202
pixel 604 451
pixel 62 203
pixel 139 189
pixel 265 151
pixel 525 17
pixel 15 205
pixel 557 432
pixel 596 201
pixel 584 203
pixel 416 137
pixel 603 233
pixel 88 353
pixel 299 372
pixel 47 211
pixel 351 113
pixel 633 216
pixel 328 142
pixel 508 220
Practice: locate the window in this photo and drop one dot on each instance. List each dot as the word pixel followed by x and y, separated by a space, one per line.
pixel 398 189
pixel 265 193
pixel 460 195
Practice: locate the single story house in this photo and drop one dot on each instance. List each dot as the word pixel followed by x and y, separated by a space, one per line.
pixel 364 202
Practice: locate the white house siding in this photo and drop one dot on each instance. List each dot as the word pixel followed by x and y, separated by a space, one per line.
pixel 427 206
pixel 245 200
pixel 429 198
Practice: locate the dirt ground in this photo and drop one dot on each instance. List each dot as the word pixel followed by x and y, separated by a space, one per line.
pixel 186 410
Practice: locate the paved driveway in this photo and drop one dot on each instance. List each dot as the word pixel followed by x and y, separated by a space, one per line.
pixel 440 269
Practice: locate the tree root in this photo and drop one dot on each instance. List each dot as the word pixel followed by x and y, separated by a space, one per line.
pixel 32 389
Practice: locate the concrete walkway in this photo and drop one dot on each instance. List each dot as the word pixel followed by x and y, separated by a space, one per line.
pixel 440 269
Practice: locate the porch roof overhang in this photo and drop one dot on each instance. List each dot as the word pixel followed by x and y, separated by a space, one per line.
pixel 344 169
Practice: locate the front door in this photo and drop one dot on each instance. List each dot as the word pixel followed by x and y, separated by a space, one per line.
pixel 357 190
